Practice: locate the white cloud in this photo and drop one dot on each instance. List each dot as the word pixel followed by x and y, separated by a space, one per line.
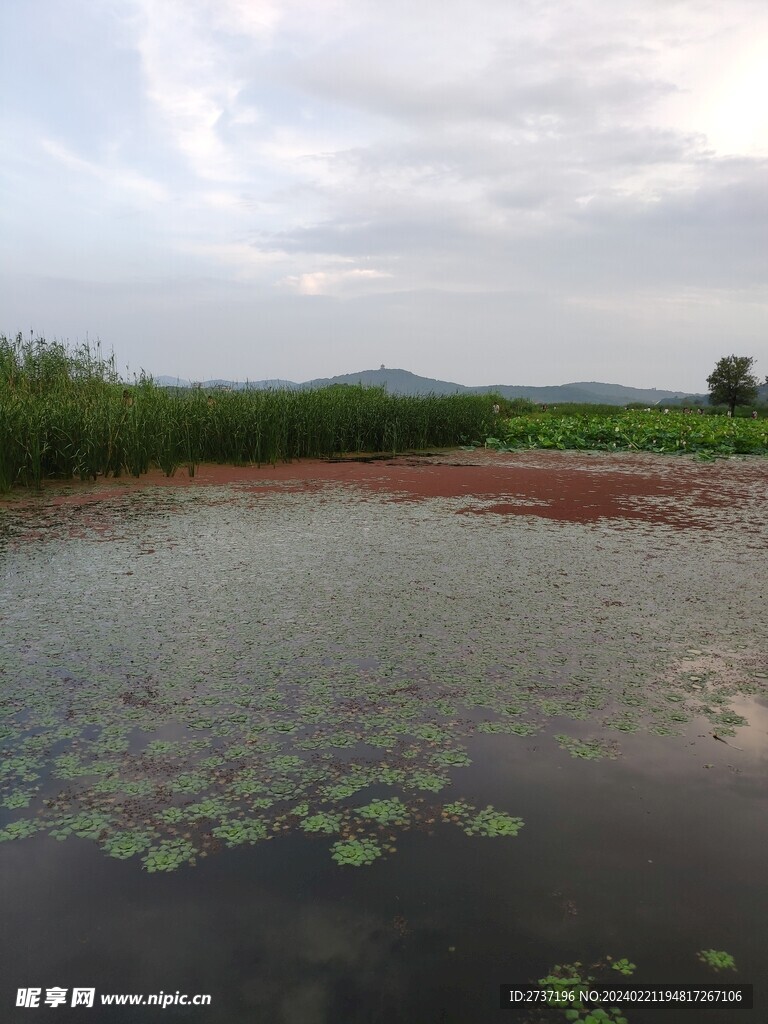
pixel 243 261
pixel 190 79
pixel 332 282
pixel 115 178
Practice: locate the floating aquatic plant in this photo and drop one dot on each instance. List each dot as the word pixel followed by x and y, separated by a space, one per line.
pixel 172 815
pixel 344 789
pixel 189 783
pixel 509 728
pixel 431 733
pixel 18 798
pixel 563 986
pixel 385 812
pixel 233 833
pixel 457 809
pixel 588 750
pixel 452 758
pixel 717 959
pixel 123 845
pixel 21 829
pixel 355 852
pixel 212 807
pixel 169 855
pixel 660 729
pixel 488 822
pixel 428 781
pixel 86 825
pixel 324 822
pixel 622 723
pixel 623 966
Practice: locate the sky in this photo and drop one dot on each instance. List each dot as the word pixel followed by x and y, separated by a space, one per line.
pixel 483 191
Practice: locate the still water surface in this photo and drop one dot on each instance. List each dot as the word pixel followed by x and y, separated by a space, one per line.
pixel 192 677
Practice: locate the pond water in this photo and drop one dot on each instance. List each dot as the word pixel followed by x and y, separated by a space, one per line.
pixel 360 742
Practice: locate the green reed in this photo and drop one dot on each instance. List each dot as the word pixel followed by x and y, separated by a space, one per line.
pixel 65 413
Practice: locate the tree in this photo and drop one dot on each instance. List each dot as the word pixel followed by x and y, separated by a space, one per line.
pixel 731 383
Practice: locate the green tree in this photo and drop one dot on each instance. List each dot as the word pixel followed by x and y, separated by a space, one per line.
pixel 731 383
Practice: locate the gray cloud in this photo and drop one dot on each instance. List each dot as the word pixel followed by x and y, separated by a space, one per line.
pixel 314 174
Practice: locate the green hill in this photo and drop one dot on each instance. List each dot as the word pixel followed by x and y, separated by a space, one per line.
pixel 403 382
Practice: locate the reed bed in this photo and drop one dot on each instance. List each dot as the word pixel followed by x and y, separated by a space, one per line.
pixel 65 413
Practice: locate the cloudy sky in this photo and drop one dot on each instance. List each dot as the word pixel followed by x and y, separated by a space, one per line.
pixel 485 191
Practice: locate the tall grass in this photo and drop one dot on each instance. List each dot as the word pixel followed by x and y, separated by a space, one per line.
pixel 65 413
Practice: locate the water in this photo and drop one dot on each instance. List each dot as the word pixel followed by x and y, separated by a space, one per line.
pixel 181 661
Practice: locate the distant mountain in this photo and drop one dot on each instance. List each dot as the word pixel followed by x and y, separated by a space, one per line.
pixel 232 385
pixel 403 382
pixel 694 400
pixel 397 382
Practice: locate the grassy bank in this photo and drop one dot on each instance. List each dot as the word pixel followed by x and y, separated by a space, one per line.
pixel 65 413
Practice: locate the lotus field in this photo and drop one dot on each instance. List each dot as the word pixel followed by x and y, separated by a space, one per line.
pixel 634 430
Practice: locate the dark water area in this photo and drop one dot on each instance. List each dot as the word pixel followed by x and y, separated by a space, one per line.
pixel 190 701
pixel 613 864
